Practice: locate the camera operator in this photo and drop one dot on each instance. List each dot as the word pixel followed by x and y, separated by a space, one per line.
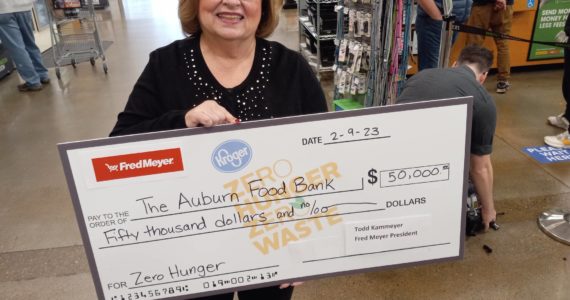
pixel 466 78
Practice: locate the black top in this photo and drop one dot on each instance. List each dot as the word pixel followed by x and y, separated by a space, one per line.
pixel 176 79
pixel 433 84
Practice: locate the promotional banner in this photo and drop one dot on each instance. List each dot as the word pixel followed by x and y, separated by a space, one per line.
pixel 549 21
pixel 194 212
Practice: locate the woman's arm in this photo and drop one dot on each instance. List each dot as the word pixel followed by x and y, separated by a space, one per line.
pixel 145 110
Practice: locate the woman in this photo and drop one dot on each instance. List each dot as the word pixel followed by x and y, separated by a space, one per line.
pixel 222 73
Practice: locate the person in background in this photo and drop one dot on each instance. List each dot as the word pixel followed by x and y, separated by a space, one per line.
pixel 466 78
pixel 562 140
pixel 496 15
pixel 428 28
pixel 17 36
pixel 222 72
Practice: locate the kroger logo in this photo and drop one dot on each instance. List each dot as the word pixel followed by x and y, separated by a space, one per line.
pixel 231 156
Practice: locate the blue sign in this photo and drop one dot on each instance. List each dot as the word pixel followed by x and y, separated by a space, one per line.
pixel 231 156
pixel 530 3
pixel 547 154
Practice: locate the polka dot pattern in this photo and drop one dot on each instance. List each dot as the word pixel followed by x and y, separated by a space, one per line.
pixel 246 101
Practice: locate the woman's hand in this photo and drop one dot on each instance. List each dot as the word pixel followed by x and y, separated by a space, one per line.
pixel 286 285
pixel 500 5
pixel 208 114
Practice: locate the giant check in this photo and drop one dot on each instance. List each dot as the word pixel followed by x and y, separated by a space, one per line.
pixel 193 212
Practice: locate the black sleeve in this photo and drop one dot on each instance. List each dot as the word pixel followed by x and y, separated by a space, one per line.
pixel 483 128
pixel 145 110
pixel 294 89
pixel 314 100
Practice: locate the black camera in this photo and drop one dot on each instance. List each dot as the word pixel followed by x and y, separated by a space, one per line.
pixel 474 221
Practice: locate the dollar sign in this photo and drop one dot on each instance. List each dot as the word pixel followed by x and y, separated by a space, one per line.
pixel 372 177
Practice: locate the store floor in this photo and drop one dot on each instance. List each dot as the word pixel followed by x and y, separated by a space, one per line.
pixel 41 252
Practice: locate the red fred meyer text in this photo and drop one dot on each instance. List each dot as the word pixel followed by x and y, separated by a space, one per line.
pixel 137 164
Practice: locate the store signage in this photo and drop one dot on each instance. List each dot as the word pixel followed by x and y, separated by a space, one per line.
pixel 549 21
pixel 546 154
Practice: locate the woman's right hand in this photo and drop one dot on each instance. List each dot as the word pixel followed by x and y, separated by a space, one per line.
pixel 208 114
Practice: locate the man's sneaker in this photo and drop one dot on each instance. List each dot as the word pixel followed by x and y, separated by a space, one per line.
pixel 559 141
pixel 559 121
pixel 25 87
pixel 45 80
pixel 503 87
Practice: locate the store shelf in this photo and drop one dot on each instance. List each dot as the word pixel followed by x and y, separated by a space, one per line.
pixel 309 26
pixel 314 19
pixel 312 59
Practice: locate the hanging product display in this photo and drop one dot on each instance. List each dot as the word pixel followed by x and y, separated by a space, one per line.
pixel 353 60
pixel 372 53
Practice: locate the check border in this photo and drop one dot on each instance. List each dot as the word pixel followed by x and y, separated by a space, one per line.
pixel 65 147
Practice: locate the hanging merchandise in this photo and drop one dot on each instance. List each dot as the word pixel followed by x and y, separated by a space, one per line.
pixel 352 63
pixel 372 52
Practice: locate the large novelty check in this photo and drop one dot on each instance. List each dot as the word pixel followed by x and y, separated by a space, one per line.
pixel 202 211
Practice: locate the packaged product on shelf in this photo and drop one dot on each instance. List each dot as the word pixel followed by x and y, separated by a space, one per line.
pixel 365 64
pixel 354 85
pixel 351 21
pixel 342 50
pixel 350 58
pixel 358 24
pixel 366 25
pixel 362 84
pixel 357 52
pixel 342 82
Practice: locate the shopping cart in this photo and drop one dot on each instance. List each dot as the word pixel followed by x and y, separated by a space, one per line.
pixel 74 33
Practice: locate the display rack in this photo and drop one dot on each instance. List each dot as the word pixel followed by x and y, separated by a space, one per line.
pixel 317 32
pixel 371 56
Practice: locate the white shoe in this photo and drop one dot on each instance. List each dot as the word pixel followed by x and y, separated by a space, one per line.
pixel 559 141
pixel 559 121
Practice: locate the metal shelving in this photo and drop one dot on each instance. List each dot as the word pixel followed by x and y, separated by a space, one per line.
pixel 311 37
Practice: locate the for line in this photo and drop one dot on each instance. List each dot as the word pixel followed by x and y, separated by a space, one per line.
pixel 215 275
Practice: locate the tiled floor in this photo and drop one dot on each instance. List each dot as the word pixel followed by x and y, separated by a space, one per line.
pixel 41 252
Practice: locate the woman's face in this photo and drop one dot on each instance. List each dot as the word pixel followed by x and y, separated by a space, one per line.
pixel 229 19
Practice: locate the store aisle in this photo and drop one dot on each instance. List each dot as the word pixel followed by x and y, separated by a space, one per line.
pixel 41 252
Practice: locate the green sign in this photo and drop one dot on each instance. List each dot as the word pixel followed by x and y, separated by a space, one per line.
pixel 550 19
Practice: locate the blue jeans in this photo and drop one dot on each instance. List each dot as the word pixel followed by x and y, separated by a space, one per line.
pixel 429 36
pixel 18 38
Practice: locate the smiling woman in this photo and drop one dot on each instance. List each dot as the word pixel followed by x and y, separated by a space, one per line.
pixel 188 14
pixel 223 72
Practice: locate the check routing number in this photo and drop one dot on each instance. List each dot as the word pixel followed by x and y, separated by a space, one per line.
pixel 195 212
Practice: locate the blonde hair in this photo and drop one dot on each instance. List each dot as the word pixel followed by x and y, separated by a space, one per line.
pixel 188 14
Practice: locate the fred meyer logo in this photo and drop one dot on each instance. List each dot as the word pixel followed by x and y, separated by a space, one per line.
pixel 231 156
pixel 137 164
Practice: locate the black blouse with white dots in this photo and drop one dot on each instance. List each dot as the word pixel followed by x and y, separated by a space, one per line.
pixel 176 79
